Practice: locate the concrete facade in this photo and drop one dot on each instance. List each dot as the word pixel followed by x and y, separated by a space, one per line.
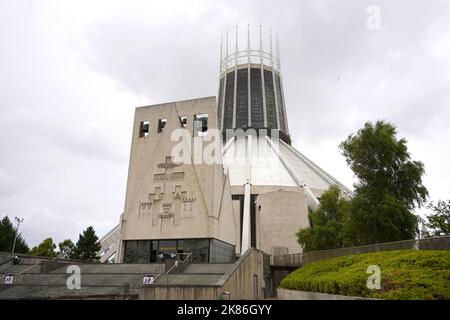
pixel 173 200
pixel 279 216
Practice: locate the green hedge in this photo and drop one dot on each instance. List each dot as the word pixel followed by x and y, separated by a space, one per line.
pixel 405 274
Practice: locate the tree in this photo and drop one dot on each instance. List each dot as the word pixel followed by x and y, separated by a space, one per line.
pixel 66 249
pixel 7 233
pixel 327 223
pixel 389 185
pixel 45 249
pixel 439 222
pixel 87 246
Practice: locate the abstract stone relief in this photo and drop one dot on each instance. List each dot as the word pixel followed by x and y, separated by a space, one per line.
pixel 169 202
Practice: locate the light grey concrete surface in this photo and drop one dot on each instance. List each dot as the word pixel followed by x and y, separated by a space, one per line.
pixel 285 294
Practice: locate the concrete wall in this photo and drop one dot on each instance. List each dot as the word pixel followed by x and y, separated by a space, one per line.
pixel 437 243
pixel 239 282
pixel 179 293
pixel 198 195
pixel 30 259
pixel 281 215
pixel 284 294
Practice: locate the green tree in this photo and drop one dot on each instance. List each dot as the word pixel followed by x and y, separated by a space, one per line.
pixel 66 249
pixel 389 185
pixel 87 246
pixel 327 223
pixel 45 249
pixel 7 233
pixel 439 221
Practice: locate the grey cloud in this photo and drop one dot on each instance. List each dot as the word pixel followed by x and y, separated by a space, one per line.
pixel 71 75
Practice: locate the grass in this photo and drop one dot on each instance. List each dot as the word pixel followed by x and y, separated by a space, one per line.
pixel 405 275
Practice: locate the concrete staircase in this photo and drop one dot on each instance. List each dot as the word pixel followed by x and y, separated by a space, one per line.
pixel 195 274
pixel 46 279
pixel 244 279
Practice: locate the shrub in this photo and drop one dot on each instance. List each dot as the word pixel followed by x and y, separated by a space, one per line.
pixel 405 274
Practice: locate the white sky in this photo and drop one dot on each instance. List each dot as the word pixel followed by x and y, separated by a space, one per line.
pixel 72 72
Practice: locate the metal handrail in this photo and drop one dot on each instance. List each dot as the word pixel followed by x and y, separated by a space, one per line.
pixel 7 261
pixel 34 265
pixel 189 255
pixel 182 262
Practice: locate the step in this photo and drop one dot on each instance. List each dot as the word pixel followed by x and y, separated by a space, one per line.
pixel 115 268
pixel 188 279
pixel 16 268
pixel 212 268
pixel 86 279
pixel 52 292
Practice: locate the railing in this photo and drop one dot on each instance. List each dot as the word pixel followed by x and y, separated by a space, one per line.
pixel 179 265
pixel 31 267
pixel 300 259
pixel 6 261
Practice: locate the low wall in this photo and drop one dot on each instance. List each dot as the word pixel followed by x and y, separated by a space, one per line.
pixel 240 281
pixel 299 259
pixel 437 243
pixel 179 292
pixel 284 294
pixel 30 259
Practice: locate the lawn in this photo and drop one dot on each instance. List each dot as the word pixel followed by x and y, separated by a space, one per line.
pixel 405 274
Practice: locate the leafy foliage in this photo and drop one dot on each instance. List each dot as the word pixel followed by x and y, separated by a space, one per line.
pixel 439 222
pixel 376 221
pixel 389 185
pixel 66 249
pixel 87 246
pixel 382 163
pixel 405 274
pixel 45 249
pixel 7 233
pixel 327 223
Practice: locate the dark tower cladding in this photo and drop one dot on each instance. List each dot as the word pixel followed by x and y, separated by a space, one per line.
pixel 251 88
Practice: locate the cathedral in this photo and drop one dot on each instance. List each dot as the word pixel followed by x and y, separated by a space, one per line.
pixel 214 176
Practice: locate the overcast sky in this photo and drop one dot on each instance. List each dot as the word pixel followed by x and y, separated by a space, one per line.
pixel 72 72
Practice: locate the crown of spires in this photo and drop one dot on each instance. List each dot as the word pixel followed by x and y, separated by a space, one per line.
pixel 230 59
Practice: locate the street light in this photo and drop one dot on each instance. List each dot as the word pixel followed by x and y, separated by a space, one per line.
pixel 18 220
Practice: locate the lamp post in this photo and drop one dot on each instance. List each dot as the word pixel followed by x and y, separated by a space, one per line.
pixel 18 220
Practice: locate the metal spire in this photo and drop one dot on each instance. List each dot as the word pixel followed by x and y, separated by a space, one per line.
pixel 260 38
pixel 248 37
pixel 226 51
pixel 278 53
pixel 260 44
pixel 237 47
pixel 248 42
pixel 271 52
pixel 221 54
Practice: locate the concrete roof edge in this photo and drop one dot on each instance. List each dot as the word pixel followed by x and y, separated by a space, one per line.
pixel 178 101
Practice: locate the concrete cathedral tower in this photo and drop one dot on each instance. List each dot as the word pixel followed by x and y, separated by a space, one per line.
pixel 250 88
pixel 274 186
